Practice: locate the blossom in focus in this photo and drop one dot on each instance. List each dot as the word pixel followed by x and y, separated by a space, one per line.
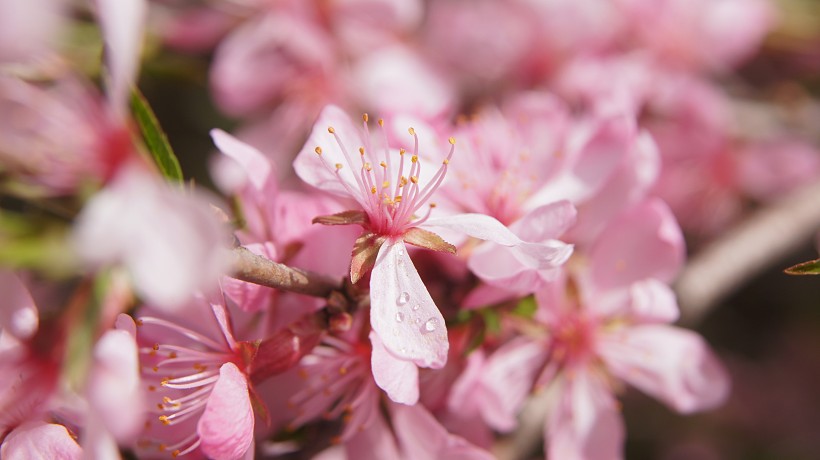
pixel 390 194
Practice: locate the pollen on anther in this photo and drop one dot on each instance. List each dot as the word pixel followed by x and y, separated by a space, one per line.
pixel 331 130
pixel 386 184
pixel 381 122
pixel 373 189
pixel 175 453
pixel 452 141
pixel 164 420
pixel 338 166
pixel 361 151
pixel 402 151
pixel 365 117
pixel 411 131
pixel 414 158
pixel 445 162
pixel 318 150
pixel 414 179
pixel 382 164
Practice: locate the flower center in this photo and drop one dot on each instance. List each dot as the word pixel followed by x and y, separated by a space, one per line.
pixel 390 194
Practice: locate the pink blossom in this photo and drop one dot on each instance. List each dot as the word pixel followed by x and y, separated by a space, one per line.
pixel 389 196
pixel 40 441
pixel 199 389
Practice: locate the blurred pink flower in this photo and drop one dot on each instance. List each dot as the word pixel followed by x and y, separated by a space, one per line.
pixel 169 240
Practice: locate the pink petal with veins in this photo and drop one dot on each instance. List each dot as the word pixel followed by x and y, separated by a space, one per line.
pixel 669 363
pixel 226 426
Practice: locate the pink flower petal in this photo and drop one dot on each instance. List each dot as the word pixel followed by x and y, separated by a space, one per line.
pixel 508 379
pixel 122 23
pixel 398 378
pixel 114 385
pixel 257 167
pixel 586 423
pixel 311 168
pixel 669 363
pixel 402 312
pixel 376 442
pixel 40 441
pixel 226 426
pixel 644 242
pixel 18 313
pixel 422 437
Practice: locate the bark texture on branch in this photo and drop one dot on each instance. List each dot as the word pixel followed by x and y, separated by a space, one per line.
pixel 252 268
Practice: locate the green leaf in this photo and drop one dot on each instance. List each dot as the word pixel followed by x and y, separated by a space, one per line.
pixel 155 139
pixel 526 307
pixel 811 267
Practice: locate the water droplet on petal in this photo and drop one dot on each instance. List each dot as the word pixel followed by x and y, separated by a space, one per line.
pixel 431 325
pixel 416 307
pixel 404 297
pixel 400 252
pixel 399 317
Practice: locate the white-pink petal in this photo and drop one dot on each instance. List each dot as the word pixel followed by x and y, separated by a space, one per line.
pixel 257 167
pixel 226 426
pixel 398 378
pixel 402 312
pixel 672 364
pixel 422 437
pixel 122 23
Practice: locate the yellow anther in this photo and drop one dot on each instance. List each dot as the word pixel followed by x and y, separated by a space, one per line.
pixel 338 166
pixel 318 150
pixel 397 199
pixel 160 406
pixel 175 453
pixel 166 400
pixel 411 131
pixel 166 422
pixel 331 130
pixel 373 189
pixel 452 141
pixel 152 388
pixel 401 151
pixel 155 368
pixel 402 181
pixel 361 150
pixel 414 179
pixel 342 370
pixel 386 184
pixel 162 447
pixel 445 162
pixel 381 122
pixel 433 205
pixel 383 164
pixel 139 322
pixel 172 355
pixel 165 381
pixel 414 158
pixel 367 167
pixel 155 347
pixel 364 117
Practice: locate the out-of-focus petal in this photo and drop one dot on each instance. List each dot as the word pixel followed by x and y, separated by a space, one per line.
pixel 226 426
pixel 402 312
pixel 18 313
pixel 114 385
pixel 671 364
pixel 643 242
pixel 586 423
pixel 508 379
pixel 258 168
pixel 422 437
pixel 374 442
pixel 122 23
pixel 170 241
pixel 398 378
pixel 40 441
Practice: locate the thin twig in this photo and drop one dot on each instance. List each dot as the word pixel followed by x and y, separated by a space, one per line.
pixel 252 268
pixel 745 251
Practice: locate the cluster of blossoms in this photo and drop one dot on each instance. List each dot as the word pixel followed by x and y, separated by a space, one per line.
pixel 396 287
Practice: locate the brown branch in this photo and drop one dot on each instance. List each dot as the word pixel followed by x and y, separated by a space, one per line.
pixel 746 250
pixel 252 268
